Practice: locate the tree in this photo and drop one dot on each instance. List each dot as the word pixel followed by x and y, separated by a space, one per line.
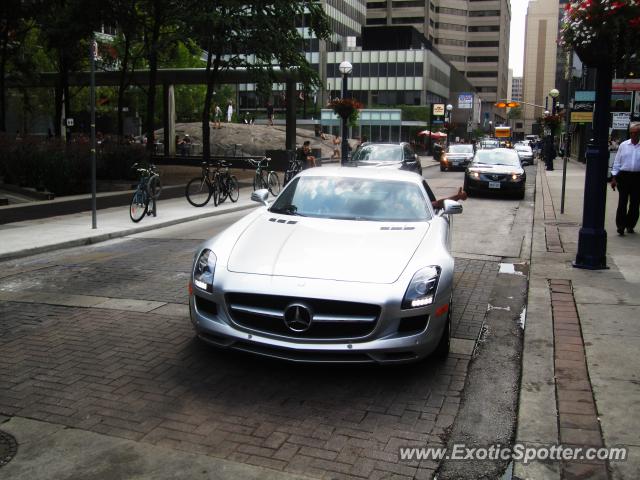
pixel 66 34
pixel 15 23
pixel 258 36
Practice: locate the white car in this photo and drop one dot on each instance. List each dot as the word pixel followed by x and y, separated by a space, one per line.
pixel 525 153
pixel 348 265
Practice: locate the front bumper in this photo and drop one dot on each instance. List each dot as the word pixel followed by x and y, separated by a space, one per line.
pixel 387 343
pixel 483 183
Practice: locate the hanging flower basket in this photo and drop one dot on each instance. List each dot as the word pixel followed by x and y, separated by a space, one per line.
pixel 347 109
pixel 552 122
pixel 602 30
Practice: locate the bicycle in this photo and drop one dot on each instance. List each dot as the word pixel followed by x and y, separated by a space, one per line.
pixel 293 168
pixel 227 184
pixel 199 190
pixel 148 190
pixel 262 179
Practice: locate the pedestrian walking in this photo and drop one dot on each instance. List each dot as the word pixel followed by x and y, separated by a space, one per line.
pixel 270 113
pixel 229 111
pixel 626 178
pixel 549 152
pixel 217 116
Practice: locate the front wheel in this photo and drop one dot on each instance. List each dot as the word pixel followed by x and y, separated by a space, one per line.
pixel 274 183
pixel 198 192
pixel 139 206
pixel 233 189
pixel 154 187
pixel 258 182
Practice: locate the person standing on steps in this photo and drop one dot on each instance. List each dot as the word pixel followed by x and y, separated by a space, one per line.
pixel 626 178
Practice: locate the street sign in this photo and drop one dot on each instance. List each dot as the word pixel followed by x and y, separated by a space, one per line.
pixel 581 117
pixel 465 101
pixel 438 109
pixel 621 120
pixel 69 122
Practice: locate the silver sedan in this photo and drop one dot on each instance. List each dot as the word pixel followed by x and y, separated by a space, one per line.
pixel 347 265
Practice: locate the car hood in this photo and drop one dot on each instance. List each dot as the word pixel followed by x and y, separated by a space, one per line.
pixel 343 250
pixel 481 167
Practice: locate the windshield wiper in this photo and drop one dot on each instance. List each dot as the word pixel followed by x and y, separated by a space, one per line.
pixel 287 210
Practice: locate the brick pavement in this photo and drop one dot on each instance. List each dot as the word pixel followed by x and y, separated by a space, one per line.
pixel 577 415
pixel 143 376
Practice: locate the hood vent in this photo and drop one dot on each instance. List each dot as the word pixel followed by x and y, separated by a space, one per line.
pixel 397 228
pixel 288 222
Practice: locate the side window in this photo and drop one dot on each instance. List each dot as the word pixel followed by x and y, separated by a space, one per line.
pixel 408 154
pixel 430 194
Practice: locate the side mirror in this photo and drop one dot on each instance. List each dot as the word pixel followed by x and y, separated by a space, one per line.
pixel 261 196
pixel 451 207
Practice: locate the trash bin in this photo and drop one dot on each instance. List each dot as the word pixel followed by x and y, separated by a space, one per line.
pixel 279 159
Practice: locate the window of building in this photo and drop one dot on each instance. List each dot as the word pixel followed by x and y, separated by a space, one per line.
pixel 450 41
pixel 482 59
pixel 482 74
pixel 487 89
pixel 451 11
pixel 451 26
pixel 485 28
pixel 374 5
pixel 484 13
pixel 408 3
pixel 376 21
pixel 454 58
pixel 403 20
pixel 483 44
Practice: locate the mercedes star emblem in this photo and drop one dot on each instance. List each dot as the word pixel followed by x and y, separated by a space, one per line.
pixel 297 317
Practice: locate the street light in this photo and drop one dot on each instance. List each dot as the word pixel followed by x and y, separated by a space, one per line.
pixel 449 108
pixel 345 69
pixel 554 93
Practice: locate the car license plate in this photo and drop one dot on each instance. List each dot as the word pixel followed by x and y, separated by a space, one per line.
pixel 456 162
pixel 494 184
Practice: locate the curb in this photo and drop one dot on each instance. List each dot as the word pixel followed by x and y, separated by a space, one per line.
pixel 90 240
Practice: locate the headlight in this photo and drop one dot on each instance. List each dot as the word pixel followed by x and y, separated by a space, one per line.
pixel 474 174
pixel 516 177
pixel 422 289
pixel 204 269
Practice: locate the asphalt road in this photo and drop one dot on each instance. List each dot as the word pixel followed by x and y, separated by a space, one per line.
pixel 98 338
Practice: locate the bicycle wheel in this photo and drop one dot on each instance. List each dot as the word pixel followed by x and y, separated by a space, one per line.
pixel 139 206
pixel 154 187
pixel 233 188
pixel 274 183
pixel 223 191
pixel 258 182
pixel 215 191
pixel 197 192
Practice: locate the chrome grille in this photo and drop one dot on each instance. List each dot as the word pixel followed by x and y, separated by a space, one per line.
pixel 331 319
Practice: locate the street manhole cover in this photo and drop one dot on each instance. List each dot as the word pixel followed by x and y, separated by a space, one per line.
pixel 8 448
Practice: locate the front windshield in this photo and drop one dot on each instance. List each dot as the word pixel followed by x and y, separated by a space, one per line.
pixel 378 153
pixel 497 157
pixel 461 149
pixel 353 199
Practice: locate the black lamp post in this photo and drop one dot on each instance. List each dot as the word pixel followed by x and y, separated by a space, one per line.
pixel 554 94
pixel 345 69
pixel 592 239
pixel 449 108
pixel 491 128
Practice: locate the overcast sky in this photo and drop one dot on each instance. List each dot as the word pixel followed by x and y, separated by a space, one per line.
pixel 516 42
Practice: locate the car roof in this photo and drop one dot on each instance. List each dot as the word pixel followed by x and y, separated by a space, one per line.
pixel 362 172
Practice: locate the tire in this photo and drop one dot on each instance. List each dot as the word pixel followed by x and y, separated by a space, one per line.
pixel 274 183
pixel 139 206
pixel 442 169
pixel 258 182
pixel 287 177
pixel 233 188
pixel 520 195
pixel 223 192
pixel 197 192
pixel 215 192
pixel 154 187
pixel 444 345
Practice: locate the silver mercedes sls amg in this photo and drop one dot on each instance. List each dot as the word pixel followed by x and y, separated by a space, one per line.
pixel 348 265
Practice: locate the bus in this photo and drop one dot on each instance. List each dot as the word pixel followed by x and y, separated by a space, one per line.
pixel 503 135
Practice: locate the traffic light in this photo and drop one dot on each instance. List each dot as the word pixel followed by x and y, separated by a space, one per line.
pixel 510 104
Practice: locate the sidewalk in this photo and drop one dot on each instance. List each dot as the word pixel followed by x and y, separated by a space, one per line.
pixel 20 239
pixel 579 381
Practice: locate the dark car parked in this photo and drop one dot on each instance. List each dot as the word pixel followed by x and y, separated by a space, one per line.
pixel 387 155
pixel 496 171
